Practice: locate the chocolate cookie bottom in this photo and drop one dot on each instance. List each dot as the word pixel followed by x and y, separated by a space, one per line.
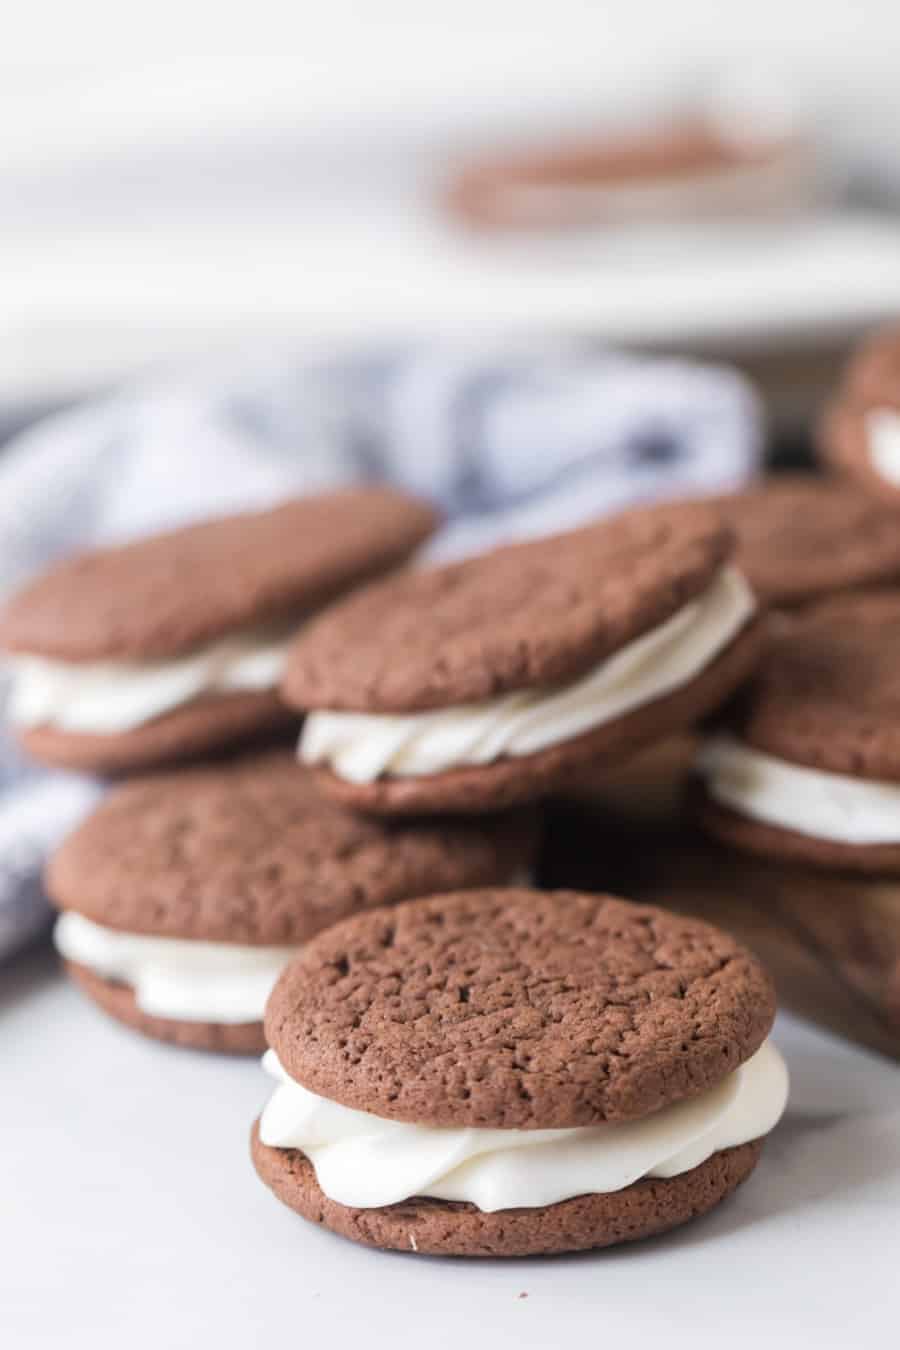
pixel 204 724
pixel 775 843
pixel 116 999
pixel 453 1228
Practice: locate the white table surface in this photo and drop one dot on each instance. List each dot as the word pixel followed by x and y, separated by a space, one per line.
pixel 130 1216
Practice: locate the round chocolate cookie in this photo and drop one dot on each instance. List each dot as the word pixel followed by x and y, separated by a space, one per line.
pixel 149 652
pixel 860 431
pixel 814 741
pixel 514 1011
pixel 432 676
pixel 802 538
pixel 214 876
pixel 531 614
pixel 452 1228
pixel 169 593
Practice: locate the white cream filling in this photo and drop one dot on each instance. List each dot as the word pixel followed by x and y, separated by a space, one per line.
pixel 177 977
pixel 185 978
pixel 109 697
pixel 360 747
pixel 365 1161
pixel 883 438
pixel 822 805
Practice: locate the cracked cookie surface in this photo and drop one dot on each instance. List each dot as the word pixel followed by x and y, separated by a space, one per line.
pixel 517 1009
pixel 526 615
pixel 826 694
pixel 167 593
pixel 801 538
pixel 247 851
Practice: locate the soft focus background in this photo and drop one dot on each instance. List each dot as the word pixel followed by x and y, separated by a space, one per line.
pixel 181 175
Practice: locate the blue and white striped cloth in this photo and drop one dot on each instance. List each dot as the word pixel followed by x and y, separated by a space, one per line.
pixel 510 441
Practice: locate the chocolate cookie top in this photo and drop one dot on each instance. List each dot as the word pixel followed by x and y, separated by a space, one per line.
pixel 827 694
pixel 522 616
pixel 513 779
pixel 248 852
pixel 516 1009
pixel 845 442
pixel 165 594
pixel 870 385
pixel 801 538
pixel 872 377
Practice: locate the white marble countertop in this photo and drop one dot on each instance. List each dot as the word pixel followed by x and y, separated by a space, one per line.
pixel 131 1217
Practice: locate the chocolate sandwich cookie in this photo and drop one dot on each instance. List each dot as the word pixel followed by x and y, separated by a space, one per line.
pixel 508 1073
pixel 489 681
pixel 860 432
pixel 801 538
pixel 185 894
pixel 692 168
pixel 806 764
pixel 154 651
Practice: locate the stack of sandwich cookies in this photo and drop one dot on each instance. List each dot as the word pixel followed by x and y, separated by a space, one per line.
pixel 860 433
pixel 514 1073
pixel 799 539
pixel 487 682
pixel 185 894
pixel 806 765
pixel 174 645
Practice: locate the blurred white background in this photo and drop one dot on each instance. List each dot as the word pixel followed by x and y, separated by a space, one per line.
pixel 177 175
